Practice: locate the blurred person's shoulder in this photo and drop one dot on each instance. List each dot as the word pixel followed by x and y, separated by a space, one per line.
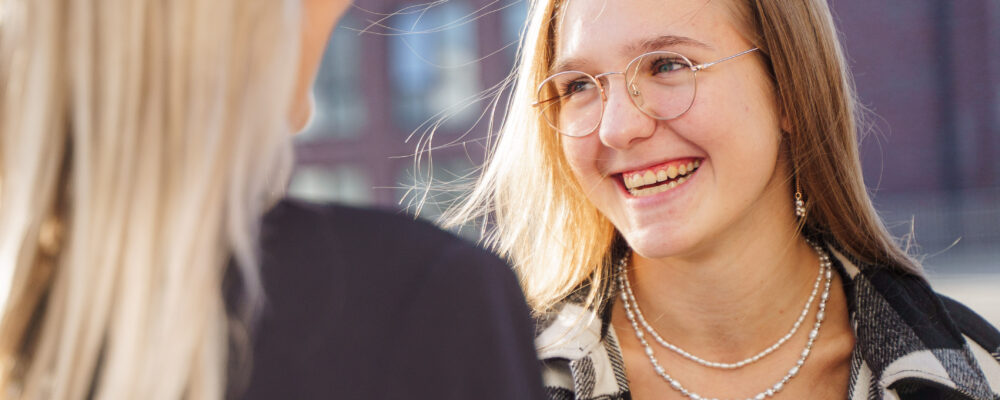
pixel 364 303
pixel 379 237
pixel 377 255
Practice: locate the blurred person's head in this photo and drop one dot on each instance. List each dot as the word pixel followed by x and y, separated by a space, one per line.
pixel 757 125
pixel 140 142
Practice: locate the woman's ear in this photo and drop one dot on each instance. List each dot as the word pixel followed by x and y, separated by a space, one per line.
pixel 318 19
pixel 786 124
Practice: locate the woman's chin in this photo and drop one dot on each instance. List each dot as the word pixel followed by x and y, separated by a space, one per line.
pixel 301 114
pixel 657 246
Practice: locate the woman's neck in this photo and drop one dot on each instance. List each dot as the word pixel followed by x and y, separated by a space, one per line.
pixel 733 300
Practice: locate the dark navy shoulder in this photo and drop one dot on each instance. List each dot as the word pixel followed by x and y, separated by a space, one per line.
pixel 365 303
pixel 300 232
pixel 307 219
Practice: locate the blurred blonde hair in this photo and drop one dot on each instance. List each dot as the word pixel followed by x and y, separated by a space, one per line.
pixel 140 142
pixel 559 242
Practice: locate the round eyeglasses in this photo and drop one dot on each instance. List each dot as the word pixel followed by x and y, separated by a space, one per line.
pixel 661 84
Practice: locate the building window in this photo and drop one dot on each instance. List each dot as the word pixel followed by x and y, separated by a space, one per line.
pixel 433 65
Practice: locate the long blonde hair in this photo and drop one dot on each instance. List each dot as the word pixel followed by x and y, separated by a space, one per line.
pixel 559 242
pixel 141 142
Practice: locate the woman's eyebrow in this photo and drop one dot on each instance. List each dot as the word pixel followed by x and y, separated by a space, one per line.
pixel 631 50
pixel 661 42
pixel 566 64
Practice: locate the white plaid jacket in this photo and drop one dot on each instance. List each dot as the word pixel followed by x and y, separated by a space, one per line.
pixel 910 344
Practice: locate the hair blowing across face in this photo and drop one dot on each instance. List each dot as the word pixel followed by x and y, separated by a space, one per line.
pixel 140 141
pixel 558 241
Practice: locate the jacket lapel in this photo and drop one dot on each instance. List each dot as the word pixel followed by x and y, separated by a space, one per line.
pixel 907 345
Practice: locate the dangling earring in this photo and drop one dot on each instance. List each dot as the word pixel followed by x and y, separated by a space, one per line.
pixel 800 205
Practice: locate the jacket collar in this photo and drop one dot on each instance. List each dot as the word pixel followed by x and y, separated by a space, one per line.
pixel 905 338
pixel 904 334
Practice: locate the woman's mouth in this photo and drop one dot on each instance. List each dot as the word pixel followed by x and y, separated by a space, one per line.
pixel 659 178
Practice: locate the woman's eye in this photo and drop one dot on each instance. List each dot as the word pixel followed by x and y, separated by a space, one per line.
pixel 572 87
pixel 667 65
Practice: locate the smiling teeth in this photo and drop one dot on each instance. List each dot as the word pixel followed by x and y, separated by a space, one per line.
pixel 634 181
pixel 649 178
pixel 657 189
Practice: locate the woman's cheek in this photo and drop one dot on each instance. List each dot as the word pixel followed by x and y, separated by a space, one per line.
pixel 580 158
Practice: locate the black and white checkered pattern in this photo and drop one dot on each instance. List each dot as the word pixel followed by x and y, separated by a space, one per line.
pixel 911 343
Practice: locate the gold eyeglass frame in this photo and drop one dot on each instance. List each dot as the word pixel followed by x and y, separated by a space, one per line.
pixel 634 92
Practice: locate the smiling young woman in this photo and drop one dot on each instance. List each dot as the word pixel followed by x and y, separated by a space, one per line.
pixel 698 161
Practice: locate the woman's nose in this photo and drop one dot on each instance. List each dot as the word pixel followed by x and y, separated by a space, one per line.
pixel 622 124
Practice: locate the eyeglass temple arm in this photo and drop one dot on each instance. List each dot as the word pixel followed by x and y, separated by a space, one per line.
pixel 539 103
pixel 700 67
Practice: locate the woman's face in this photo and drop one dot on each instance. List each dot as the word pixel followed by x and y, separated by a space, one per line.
pixel 318 19
pixel 732 132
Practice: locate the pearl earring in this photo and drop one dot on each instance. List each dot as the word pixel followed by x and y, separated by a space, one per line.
pixel 800 205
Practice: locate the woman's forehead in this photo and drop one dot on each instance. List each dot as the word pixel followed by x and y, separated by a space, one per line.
pixel 610 28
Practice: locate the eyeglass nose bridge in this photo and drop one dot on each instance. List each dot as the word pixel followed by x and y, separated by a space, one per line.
pixel 632 89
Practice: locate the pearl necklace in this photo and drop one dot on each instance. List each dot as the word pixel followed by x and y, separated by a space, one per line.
pixel 629 302
pixel 721 365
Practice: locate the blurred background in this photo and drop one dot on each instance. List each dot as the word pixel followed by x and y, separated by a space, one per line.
pixel 929 70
